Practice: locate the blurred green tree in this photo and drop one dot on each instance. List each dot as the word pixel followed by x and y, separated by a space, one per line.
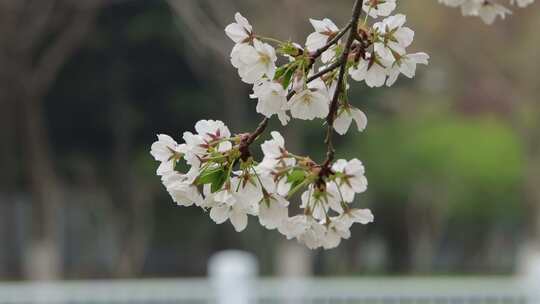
pixel 441 170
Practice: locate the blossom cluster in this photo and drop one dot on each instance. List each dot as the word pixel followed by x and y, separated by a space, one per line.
pixel 487 10
pixel 230 188
pixel 215 170
pixel 377 58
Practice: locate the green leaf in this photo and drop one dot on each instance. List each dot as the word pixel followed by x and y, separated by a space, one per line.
pixel 281 71
pixel 219 182
pixel 288 77
pixel 284 74
pixel 296 177
pixel 210 176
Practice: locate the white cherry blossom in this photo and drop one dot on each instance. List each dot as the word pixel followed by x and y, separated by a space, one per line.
pixel 345 116
pixel 240 31
pixel 361 216
pixel 487 10
pixel 274 174
pixel 310 103
pixel 336 230
pixel 351 179
pixel 305 228
pixel 406 65
pixel 240 53
pixel 314 233
pixel 376 8
pixel 195 148
pixel 213 131
pixel 490 11
pixel 236 214
pixel 273 206
pixel 325 30
pixel 181 188
pixel 394 37
pixel 319 202
pixel 338 227
pixel 294 226
pixel 234 202
pixel 273 211
pixel 274 149
pixel 272 100
pixel 372 71
pixel 166 150
pixel 254 62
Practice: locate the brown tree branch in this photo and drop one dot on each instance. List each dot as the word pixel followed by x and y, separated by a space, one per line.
pixel 357 9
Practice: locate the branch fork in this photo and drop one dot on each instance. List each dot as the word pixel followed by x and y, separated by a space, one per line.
pixel 352 28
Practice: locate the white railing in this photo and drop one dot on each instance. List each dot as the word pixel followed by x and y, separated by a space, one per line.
pixel 336 290
pixel 233 280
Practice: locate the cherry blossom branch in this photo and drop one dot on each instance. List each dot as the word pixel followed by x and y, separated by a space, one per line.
pixel 264 123
pixel 357 9
pixel 251 137
pixel 281 174
pixel 341 63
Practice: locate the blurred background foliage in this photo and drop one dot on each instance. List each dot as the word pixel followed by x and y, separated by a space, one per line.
pixel 452 157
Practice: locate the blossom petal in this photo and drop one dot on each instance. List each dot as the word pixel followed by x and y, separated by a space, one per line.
pixel 219 214
pixel 239 220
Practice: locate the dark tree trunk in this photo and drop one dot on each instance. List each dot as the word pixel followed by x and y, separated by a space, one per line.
pixel 43 258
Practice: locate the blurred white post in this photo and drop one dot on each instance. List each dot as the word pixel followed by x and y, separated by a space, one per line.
pixel 293 260
pixel 529 268
pixel 294 266
pixel 233 274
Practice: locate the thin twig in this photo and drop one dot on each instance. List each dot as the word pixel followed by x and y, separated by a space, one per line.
pixel 328 69
pixel 333 41
pixel 260 129
pixel 248 139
